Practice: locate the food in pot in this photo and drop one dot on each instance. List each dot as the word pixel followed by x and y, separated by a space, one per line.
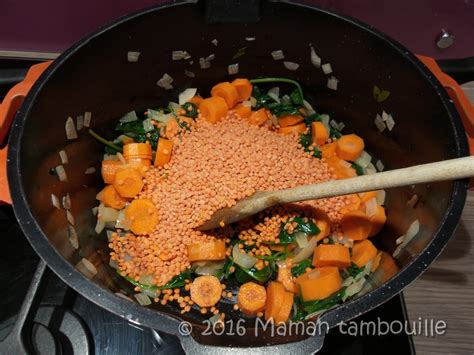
pixel 171 168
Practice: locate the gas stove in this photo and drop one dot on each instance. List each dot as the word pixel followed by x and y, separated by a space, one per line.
pixel 40 314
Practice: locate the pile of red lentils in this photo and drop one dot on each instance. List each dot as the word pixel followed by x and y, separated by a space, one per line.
pixel 213 166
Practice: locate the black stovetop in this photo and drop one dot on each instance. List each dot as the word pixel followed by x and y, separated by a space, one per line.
pixel 64 322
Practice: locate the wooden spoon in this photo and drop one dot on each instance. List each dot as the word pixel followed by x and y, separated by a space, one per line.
pixel 439 171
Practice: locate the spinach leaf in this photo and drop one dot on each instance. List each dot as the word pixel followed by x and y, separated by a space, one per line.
pixel 225 271
pixel 353 270
pixel 300 269
pixel 306 140
pixel 134 127
pixel 300 313
pixel 191 110
pixel 329 302
pixel 253 273
pixel 281 255
pixel 283 109
pixel 334 133
pixel 306 227
pixel 312 118
pixel 357 168
pixel 297 98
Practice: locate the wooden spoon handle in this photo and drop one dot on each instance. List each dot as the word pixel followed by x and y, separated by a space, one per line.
pixel 439 171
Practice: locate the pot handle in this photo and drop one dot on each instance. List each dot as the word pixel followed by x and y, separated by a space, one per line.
pixel 10 105
pixel 462 103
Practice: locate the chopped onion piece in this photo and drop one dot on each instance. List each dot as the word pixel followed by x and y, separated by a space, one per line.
pixel 165 82
pixel 186 95
pixel 109 235
pixel 274 93
pixel 371 207
pixel 210 57
pixel 306 252
pixel 315 59
pixel 129 117
pixel 90 170
pixel 173 106
pixel 61 173
pixel 133 56
pixel 380 197
pixel 177 55
pixel 341 126
pixel 274 120
pixel 113 264
pixel 159 116
pixel 146 279
pixel 349 281
pixel 327 68
pixel 99 227
pixel 110 157
pixel 274 97
pixel 301 239
pixel 86 268
pixel 70 127
pixel 253 101
pixel 370 169
pixel 233 69
pixel 364 159
pixel 390 122
pixel 325 120
pixel 278 55
pixel 189 74
pixel 291 65
pixel 353 289
pixel 400 240
pixel 67 202
pixel 286 99
pixel 412 201
pixel 55 201
pixel 242 259
pixel 204 64
pixel 379 165
pixel 410 234
pixel 95 210
pixel 121 158
pixel 142 299
pixel 148 125
pixel 63 157
pixel 79 122
pixel 87 118
pixel 332 83
pixel 186 55
pixel 384 116
pixel 308 107
pixel 150 293
pixel 247 103
pixel 209 268
pixel 214 42
pixel 379 123
pixel 250 39
pixel 333 124
pixel 107 214
pixel 72 236
pixel 70 217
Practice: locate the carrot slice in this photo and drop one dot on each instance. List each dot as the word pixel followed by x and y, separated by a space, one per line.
pixel 284 276
pixel 341 168
pixel 228 92
pixel 332 255
pixel 141 165
pixel 387 267
pixel 258 117
pixel 209 250
pixel 244 88
pixel 285 309
pixel 196 100
pixel 377 220
pixel 289 120
pixel 275 294
pixel 213 108
pixel 111 198
pixel 296 129
pixel 356 225
pixel 354 205
pixel 142 216
pixel 243 111
pixel 206 291
pixel 251 298
pixel 349 147
pixel 109 169
pixel 328 150
pixel 163 152
pixel 363 252
pixel 128 182
pixel 276 247
pixel 319 133
pixel 323 223
pixel 319 283
pixel 137 150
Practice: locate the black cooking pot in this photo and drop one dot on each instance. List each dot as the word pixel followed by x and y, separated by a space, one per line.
pixel 94 75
